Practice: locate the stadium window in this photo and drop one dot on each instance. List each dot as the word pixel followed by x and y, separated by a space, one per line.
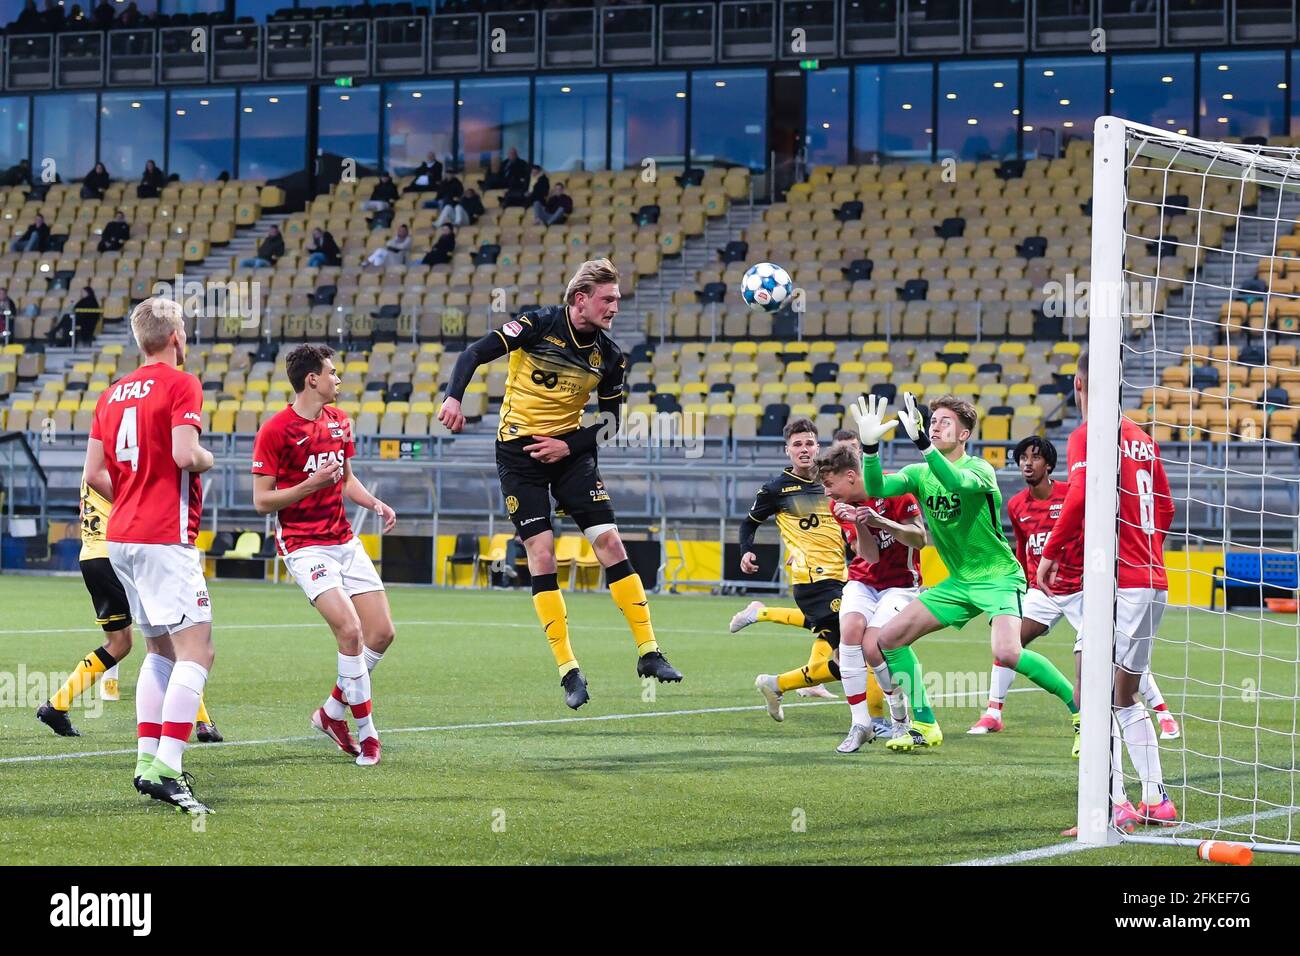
pixel 418 120
pixel 272 131
pixel 493 118
pixel 131 131
pixel 649 119
pixel 1155 90
pixel 1244 99
pixel 976 115
pixel 349 124
pixel 891 113
pixel 201 143
pixel 827 109
pixel 729 117
pixel 1062 99
pixel 192 6
pixel 569 125
pixel 14 121
pixel 61 123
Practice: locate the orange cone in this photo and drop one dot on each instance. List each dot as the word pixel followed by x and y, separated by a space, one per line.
pixel 1217 852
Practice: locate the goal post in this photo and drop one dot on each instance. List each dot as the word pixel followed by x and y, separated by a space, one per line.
pixel 1194 323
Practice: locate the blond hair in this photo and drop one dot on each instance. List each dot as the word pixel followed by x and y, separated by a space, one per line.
pixel 590 274
pixel 153 321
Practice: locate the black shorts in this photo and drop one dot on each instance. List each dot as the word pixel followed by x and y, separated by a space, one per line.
pixel 112 612
pixel 529 485
pixel 820 603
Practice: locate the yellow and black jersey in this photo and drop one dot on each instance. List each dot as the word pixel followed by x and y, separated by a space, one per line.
pixel 810 532
pixel 553 371
pixel 94 523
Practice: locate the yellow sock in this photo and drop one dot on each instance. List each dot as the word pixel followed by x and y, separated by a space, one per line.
pixel 875 696
pixel 783 615
pixel 549 604
pixel 820 669
pixel 84 675
pixel 626 590
pixel 202 716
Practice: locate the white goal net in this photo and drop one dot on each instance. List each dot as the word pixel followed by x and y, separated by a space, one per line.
pixel 1193 334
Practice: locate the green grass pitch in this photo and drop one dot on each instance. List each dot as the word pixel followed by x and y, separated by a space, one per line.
pixel 483 763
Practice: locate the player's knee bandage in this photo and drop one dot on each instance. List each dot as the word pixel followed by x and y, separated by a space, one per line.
pixel 596 530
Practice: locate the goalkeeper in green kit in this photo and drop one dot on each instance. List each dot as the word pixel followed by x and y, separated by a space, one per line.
pixel 962 505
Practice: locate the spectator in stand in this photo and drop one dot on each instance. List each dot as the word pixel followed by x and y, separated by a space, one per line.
pixel 382 196
pixel 76 18
pixel 441 252
pixel 512 176
pixel 395 249
pixel 35 238
pixel 323 251
pixel 472 203
pixel 453 214
pixel 85 314
pixel 538 189
pixel 557 207
pixel 96 183
pixel 449 190
pixel 268 250
pixel 103 15
pixel 17 175
pixel 29 19
pixel 152 181
pixel 8 309
pixel 130 17
pixel 115 234
pixel 52 17
pixel 427 176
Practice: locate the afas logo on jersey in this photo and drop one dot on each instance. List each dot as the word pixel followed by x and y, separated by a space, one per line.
pixel 318 571
pixel 201 598
pixel 315 462
pixel 512 328
pixel 1037 541
pixel 129 390
pixel 192 417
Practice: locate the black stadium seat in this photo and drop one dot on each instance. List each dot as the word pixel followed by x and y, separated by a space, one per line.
pixel 774 419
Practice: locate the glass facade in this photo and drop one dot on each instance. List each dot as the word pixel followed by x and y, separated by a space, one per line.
pixel 1063 97
pixel 15 126
pixel 418 120
pixel 493 118
pixel 1243 94
pixel 131 132
pixel 569 123
pixel 978 112
pixel 732 108
pixel 272 131
pixel 649 119
pixel 891 114
pixel 202 141
pixel 62 124
pixel 1156 90
pixel 827 109
pixel 349 125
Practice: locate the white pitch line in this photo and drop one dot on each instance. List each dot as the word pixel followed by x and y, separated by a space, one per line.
pixel 442 728
pixel 1061 849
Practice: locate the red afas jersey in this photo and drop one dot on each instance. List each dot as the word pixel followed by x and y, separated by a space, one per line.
pixel 899 566
pixel 154 501
pixel 1032 521
pixel 290 448
pixel 1145 512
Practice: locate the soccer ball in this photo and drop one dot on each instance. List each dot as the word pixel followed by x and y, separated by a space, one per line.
pixel 766 287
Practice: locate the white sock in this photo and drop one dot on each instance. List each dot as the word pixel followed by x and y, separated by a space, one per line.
pixel 1143 751
pixel 1117 794
pixel 1150 691
pixel 354 681
pixel 897 702
pixel 372 658
pixel 150 689
pixel 883 677
pixel 180 707
pixel 853 675
pixel 999 684
pixel 335 708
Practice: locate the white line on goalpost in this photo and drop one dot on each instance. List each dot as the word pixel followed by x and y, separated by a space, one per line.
pixel 1111 159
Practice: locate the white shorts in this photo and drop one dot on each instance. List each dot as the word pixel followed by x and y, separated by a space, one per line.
pixel 1137 619
pixel 164 585
pixel 1047 609
pixel 317 568
pixel 878 607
